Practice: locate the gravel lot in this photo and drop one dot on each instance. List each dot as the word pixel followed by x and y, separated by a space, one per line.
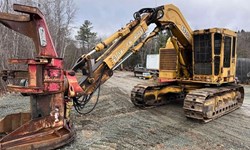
pixel 117 124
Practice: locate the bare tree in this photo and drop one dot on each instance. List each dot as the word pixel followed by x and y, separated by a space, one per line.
pixel 59 15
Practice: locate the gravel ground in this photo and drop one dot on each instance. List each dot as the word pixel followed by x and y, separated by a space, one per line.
pixel 117 124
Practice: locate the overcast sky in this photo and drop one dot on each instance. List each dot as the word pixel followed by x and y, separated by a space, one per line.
pixel 108 16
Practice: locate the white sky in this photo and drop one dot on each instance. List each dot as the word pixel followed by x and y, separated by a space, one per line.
pixel 108 16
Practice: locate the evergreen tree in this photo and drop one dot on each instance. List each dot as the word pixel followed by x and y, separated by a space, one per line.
pixel 86 36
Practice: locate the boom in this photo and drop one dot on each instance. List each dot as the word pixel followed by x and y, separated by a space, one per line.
pixel 116 46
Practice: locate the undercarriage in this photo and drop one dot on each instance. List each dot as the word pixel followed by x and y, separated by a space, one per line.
pixel 204 104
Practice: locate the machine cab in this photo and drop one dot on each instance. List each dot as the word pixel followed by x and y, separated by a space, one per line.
pixel 214 56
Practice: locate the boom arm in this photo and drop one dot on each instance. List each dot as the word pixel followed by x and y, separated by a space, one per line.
pixel 166 17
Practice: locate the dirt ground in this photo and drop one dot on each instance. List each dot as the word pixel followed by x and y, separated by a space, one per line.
pixel 117 124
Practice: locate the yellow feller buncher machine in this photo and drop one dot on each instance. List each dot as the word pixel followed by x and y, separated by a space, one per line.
pixel 197 67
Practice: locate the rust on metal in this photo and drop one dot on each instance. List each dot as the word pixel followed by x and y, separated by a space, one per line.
pixel 11 122
pixel 29 26
pixel 11 74
pixel 22 89
pixel 74 87
pixel 47 125
pixel 12 17
pixel 28 61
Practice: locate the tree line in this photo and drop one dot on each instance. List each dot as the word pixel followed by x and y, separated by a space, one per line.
pixel 59 15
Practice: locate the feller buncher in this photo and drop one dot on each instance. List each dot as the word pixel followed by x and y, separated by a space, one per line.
pixel 197 67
